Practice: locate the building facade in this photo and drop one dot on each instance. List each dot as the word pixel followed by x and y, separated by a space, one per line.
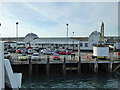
pixel 86 43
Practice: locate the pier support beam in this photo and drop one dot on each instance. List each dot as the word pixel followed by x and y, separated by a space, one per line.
pixel 79 65
pixel 48 66
pixel 79 58
pixel 30 66
pixel 64 66
pixel 110 66
pixel 96 66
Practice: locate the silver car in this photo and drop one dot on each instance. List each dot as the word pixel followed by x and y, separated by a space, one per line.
pixel 35 56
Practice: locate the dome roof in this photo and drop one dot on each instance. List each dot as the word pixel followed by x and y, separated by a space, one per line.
pixel 95 33
pixel 31 35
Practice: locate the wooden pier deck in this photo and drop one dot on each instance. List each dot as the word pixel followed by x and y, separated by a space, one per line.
pixel 62 61
pixel 70 65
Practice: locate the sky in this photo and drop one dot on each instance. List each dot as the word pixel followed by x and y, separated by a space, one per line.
pixel 48 19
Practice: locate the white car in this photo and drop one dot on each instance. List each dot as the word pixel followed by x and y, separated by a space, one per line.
pixel 35 56
pixel 43 50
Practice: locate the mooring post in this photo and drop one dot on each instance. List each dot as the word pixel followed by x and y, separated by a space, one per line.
pixel 48 66
pixel 96 66
pixel 30 66
pixel 79 65
pixel 110 66
pixel 64 66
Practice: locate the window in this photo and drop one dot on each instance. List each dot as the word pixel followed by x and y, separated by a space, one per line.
pixel 71 45
pixel 76 45
pixel 81 44
pixel 86 44
pixel 93 44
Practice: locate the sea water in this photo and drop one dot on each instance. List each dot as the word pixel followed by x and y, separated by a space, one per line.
pixel 73 81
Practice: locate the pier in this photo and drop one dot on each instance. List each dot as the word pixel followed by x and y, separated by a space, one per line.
pixel 63 66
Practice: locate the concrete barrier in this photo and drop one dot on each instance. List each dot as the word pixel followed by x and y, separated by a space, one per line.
pixel 2 78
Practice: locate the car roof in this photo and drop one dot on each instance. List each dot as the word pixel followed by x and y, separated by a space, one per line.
pixel 35 53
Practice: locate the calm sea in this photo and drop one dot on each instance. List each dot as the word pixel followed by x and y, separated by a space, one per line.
pixel 73 81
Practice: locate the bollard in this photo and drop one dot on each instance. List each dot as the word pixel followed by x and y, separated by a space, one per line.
pixel 64 66
pixel 30 66
pixel 79 65
pixel 96 66
pixel 47 67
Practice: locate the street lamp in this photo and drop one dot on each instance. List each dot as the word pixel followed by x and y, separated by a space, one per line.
pixel 17 29
pixel 67 42
pixel 73 41
pixel 17 36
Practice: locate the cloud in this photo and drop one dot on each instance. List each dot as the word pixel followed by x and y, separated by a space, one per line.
pixel 49 19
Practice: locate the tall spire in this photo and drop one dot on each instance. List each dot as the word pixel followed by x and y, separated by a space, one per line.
pixel 102 32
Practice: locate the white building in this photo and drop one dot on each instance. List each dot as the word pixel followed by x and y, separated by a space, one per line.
pixel 33 40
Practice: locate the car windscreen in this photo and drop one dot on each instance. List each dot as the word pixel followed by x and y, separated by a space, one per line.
pixel 24 55
pixel 35 55
pixel 56 55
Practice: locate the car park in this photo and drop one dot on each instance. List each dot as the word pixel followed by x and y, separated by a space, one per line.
pixel 56 56
pixel 35 56
pixel 23 57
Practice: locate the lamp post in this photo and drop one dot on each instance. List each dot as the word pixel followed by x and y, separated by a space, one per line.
pixel 67 42
pixel 73 41
pixel 17 37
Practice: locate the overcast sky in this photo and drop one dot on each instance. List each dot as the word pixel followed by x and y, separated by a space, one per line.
pixel 49 19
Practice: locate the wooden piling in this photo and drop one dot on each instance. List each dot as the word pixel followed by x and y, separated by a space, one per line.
pixel 48 66
pixel 79 65
pixel 64 66
pixel 96 66
pixel 30 66
pixel 110 66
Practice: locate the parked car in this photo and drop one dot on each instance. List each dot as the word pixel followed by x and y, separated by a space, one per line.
pixel 24 51
pixel 35 56
pixel 43 50
pixel 18 51
pixel 7 55
pixel 23 57
pixel 56 56
pixel 11 50
pixel 30 51
pixel 36 49
pixel 64 52
pixel 48 52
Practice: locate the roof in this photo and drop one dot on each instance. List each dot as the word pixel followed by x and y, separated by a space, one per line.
pixel 31 34
pixel 95 33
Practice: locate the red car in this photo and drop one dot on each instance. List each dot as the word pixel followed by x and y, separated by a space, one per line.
pixel 56 56
pixel 18 51
pixel 65 52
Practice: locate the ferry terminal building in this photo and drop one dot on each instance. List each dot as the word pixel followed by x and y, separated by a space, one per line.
pixel 32 40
